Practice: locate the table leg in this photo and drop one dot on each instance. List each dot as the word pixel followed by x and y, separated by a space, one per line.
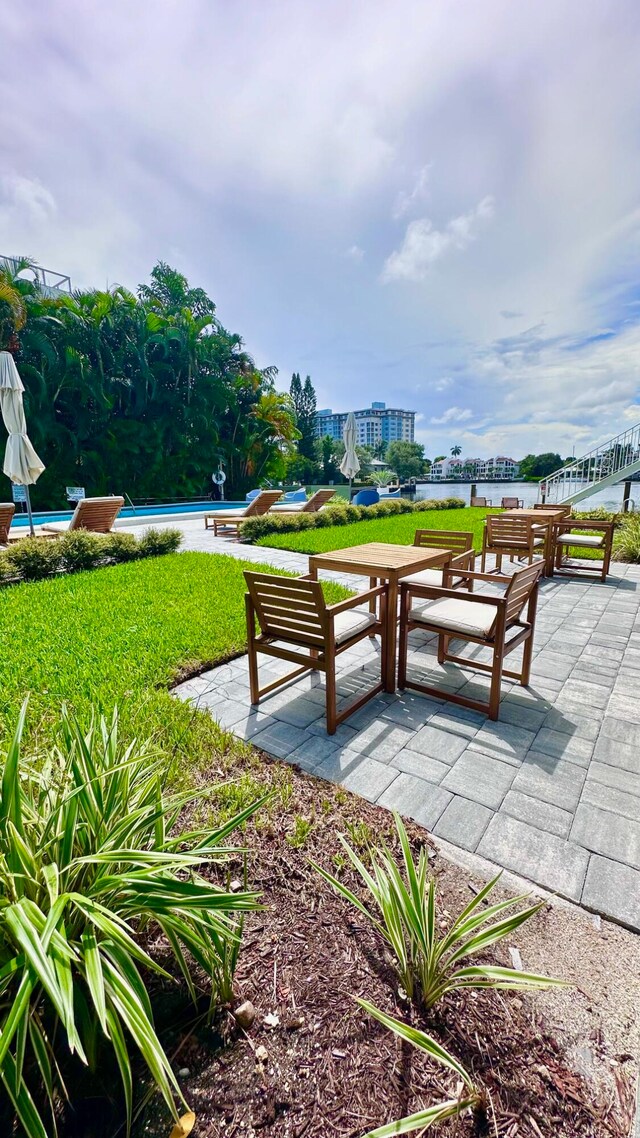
pixel 392 628
pixel 548 560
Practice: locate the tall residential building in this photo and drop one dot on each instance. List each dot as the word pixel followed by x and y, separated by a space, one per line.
pixel 375 424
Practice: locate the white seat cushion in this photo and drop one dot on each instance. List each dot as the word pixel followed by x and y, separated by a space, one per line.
pixel 348 623
pixel 56 527
pixel 457 616
pixel 425 577
pixel 588 540
pixel 288 508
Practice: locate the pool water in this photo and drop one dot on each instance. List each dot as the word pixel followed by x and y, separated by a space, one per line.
pixel 141 512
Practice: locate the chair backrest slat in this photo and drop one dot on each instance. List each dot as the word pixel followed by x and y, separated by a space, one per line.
pixel 476 501
pixel 317 501
pixel 519 590
pixel 289 609
pixel 457 541
pixel 509 530
pixel 96 514
pixel 7 510
pixel 510 503
pixel 566 510
pixel 262 502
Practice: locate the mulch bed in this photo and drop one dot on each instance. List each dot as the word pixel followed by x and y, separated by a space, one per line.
pixel 313 1064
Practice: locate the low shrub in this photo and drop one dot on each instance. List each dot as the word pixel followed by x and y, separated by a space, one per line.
pixel 120 546
pixel 598 513
pixel 80 549
pixel 339 515
pixel 31 559
pixel 626 543
pixel 89 866
pixel 34 558
pixel 155 542
pixel 430 953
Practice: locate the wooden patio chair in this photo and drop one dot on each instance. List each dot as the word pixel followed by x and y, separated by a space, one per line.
pixel 512 503
pixel 493 622
pixel 311 506
pixel 7 510
pixel 601 538
pixel 476 501
pixel 296 624
pixel 230 519
pixel 461 546
pixel 95 514
pixel 510 535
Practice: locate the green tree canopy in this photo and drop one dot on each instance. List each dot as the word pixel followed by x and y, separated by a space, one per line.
pixel 303 397
pixel 406 459
pixel 539 465
pixel 144 394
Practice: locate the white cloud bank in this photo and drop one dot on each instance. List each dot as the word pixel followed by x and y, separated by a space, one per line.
pixel 423 245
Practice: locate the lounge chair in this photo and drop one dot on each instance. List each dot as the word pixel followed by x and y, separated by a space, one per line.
pixel 95 514
pixel 230 519
pixel 296 624
pixel 7 510
pixel 564 540
pixel 512 503
pixel 493 622
pixel 508 535
pixel 310 506
pixel 475 501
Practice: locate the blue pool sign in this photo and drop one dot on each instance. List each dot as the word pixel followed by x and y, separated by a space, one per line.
pixel 18 493
pixel 75 493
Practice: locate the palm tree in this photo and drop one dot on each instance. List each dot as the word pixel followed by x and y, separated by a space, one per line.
pixel 455 451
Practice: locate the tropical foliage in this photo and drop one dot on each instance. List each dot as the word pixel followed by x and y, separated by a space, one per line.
pixel 432 960
pixel 88 862
pixel 140 394
pixel 468 1098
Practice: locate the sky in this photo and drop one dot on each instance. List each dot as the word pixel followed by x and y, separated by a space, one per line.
pixel 435 204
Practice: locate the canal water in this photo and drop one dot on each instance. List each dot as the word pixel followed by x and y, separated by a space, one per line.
pixel 611 498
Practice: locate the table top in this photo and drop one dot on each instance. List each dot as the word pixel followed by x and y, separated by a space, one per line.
pixel 542 516
pixel 380 559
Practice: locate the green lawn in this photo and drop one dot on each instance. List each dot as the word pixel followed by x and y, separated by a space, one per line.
pixel 121 635
pixel 399 528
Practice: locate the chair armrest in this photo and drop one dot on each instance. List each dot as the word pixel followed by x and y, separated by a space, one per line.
pixel 461 559
pixel 502 579
pixel 357 599
pixel 437 592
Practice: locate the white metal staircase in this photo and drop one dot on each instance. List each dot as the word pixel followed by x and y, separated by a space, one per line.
pixel 605 465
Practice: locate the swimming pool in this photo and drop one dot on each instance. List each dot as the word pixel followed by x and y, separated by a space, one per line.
pixel 139 514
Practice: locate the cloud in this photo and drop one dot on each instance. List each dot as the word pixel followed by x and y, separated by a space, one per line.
pixel 510 315
pixel 405 202
pixel 423 245
pixel 454 415
pixel 25 198
pixel 354 253
pixel 442 384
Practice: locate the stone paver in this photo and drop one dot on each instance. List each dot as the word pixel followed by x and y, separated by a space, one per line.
pixel 551 791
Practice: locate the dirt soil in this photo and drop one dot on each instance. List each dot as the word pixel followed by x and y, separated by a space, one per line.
pixel 557 1064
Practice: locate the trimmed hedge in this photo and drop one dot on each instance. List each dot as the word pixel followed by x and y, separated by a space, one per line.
pixel 266 524
pixel 32 559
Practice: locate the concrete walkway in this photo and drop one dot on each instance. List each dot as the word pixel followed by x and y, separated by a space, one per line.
pixel 551 791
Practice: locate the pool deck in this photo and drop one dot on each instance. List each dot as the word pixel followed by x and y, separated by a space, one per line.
pixel 550 792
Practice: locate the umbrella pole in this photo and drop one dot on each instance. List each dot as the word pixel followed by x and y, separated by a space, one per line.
pixel 31 529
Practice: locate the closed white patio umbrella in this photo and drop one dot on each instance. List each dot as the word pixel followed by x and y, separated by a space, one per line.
pixel 21 463
pixel 350 464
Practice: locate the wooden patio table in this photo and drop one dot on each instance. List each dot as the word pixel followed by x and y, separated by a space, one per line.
pixel 545 520
pixel 380 561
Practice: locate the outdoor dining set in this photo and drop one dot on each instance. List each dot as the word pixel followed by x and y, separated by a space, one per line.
pixel 427 586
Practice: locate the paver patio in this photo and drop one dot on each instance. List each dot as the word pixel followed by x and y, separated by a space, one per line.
pixel 551 791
